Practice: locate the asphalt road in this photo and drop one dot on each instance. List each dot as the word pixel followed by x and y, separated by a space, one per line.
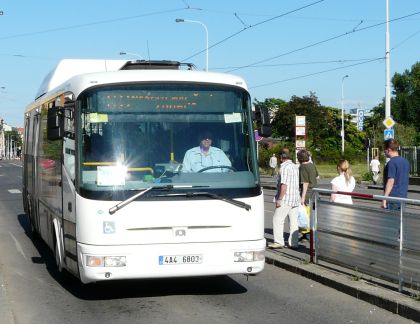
pixel 34 292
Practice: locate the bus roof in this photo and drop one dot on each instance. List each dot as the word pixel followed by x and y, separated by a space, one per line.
pixel 78 74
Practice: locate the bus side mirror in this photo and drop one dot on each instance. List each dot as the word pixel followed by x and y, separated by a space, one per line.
pixel 262 119
pixel 55 124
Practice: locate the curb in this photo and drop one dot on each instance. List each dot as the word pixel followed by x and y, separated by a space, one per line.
pixel 384 298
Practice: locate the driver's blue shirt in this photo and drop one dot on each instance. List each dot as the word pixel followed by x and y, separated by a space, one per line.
pixel 195 160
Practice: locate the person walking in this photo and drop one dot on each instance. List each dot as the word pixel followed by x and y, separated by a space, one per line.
pixel 307 176
pixel 273 165
pixel 287 203
pixel 374 168
pixel 396 175
pixel 343 182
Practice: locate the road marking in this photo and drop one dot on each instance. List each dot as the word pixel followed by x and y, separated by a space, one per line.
pixel 14 191
pixel 18 246
pixel 269 211
pixel 18 165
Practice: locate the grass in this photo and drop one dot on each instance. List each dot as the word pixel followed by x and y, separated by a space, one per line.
pixel 330 170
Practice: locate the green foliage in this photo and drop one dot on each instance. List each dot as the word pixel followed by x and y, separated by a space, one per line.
pixel 323 127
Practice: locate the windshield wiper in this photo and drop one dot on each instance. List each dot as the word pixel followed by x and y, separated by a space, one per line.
pixel 124 203
pixel 211 195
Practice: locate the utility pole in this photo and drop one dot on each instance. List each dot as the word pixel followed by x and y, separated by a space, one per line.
pixel 387 67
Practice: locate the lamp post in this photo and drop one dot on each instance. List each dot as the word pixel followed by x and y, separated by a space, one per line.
pixel 133 54
pixel 342 114
pixel 179 20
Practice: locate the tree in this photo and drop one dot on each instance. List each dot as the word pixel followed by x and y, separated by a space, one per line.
pixel 406 102
pixel 323 125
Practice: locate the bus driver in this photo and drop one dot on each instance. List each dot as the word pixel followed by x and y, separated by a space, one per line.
pixel 205 157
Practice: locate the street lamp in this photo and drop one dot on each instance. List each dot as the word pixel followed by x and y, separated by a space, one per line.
pixel 179 20
pixel 133 54
pixel 342 114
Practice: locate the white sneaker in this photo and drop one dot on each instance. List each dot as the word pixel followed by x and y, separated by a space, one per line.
pixel 275 245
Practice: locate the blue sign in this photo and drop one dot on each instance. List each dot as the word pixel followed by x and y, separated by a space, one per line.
pixel 360 119
pixel 388 134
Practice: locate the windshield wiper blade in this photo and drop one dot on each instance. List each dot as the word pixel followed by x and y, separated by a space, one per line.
pixel 124 203
pixel 211 195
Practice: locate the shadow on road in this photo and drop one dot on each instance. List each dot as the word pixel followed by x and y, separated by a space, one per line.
pixel 128 288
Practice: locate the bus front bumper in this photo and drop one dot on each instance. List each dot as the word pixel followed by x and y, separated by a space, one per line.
pixel 99 263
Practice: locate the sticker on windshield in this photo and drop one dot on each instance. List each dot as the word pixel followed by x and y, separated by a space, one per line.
pixel 111 175
pixel 233 118
pixel 98 118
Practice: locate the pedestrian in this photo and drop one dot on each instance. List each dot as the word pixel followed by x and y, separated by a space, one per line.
pixel 396 175
pixel 343 182
pixel 287 203
pixel 374 168
pixel 273 165
pixel 307 176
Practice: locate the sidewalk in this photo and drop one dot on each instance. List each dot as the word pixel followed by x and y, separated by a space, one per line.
pixel 364 287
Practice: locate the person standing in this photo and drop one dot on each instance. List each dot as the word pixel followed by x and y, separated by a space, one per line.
pixel 396 175
pixel 374 168
pixel 343 182
pixel 307 176
pixel 287 203
pixel 273 164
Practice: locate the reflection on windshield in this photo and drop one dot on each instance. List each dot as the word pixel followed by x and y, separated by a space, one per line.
pixel 134 148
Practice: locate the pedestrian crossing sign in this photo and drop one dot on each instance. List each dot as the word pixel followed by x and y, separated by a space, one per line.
pixel 388 134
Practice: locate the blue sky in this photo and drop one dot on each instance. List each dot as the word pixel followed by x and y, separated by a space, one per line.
pixel 280 34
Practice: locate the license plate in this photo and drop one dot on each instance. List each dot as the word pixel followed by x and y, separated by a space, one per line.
pixel 180 259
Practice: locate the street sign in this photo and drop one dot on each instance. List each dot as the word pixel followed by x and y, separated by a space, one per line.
pixel 388 134
pixel 257 136
pixel 388 122
pixel 360 119
pixel 300 131
pixel 300 120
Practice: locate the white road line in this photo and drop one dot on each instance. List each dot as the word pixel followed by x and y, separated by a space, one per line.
pixel 18 246
pixel 14 191
pixel 18 165
pixel 269 211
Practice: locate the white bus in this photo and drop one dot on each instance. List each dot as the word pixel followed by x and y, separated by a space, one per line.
pixel 105 182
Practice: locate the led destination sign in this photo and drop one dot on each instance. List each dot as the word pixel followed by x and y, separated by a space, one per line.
pixel 161 100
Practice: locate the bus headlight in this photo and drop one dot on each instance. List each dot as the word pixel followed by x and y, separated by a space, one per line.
pixel 248 256
pixel 105 261
pixel 115 261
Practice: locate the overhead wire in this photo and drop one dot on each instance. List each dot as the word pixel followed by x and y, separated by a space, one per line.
pixel 322 41
pixel 252 26
pixel 296 63
pixel 315 73
pixel 101 22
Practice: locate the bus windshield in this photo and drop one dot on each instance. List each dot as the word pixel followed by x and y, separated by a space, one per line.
pixel 138 136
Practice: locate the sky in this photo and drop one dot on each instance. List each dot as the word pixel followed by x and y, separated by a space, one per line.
pixel 281 48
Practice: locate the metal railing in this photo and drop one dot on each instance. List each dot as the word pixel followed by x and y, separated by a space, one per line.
pixel 412 154
pixel 367 238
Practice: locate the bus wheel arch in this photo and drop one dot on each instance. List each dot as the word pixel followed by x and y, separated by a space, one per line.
pixel 58 245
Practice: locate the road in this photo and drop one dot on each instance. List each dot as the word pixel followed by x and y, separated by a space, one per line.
pixel 34 292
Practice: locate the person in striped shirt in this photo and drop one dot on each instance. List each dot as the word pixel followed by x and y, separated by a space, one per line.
pixel 287 203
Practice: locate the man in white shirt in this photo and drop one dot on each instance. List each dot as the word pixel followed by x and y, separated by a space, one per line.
pixel 287 203
pixel 205 156
pixel 374 167
pixel 273 164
